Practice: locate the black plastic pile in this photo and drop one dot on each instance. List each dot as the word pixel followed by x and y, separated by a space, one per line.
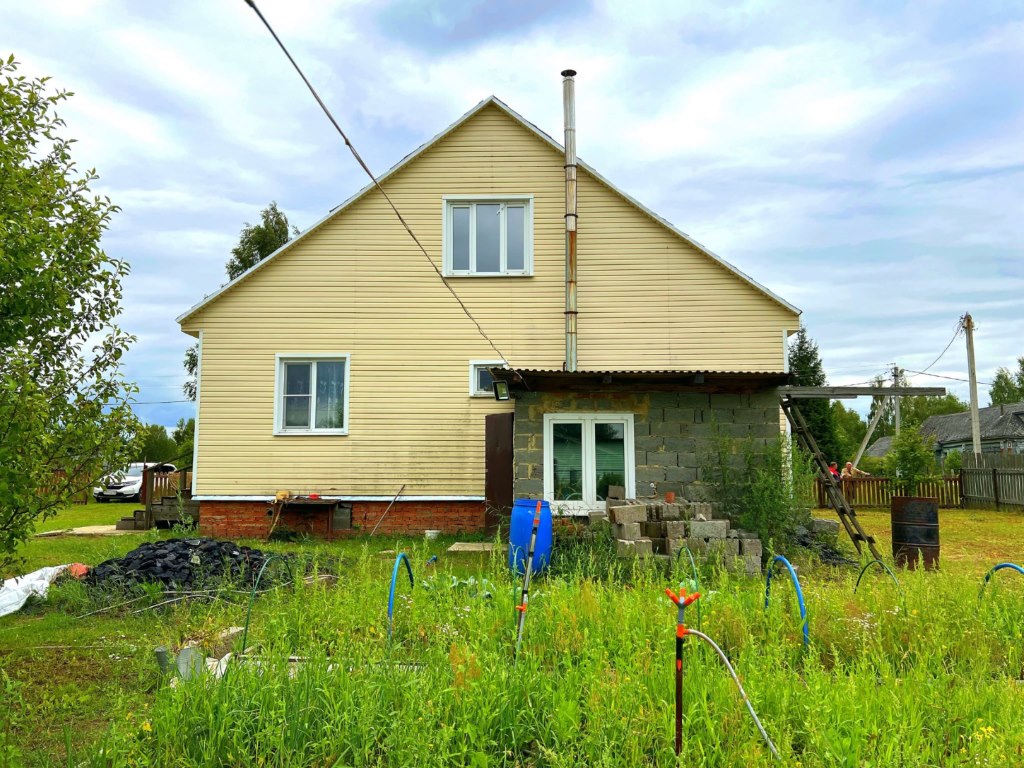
pixel 827 553
pixel 182 563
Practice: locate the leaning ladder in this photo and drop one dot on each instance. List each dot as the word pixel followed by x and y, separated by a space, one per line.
pixel 847 514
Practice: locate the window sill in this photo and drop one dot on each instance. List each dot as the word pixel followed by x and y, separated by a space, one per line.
pixel 502 275
pixel 308 432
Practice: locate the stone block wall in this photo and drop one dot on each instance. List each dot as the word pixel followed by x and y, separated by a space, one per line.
pixel 672 431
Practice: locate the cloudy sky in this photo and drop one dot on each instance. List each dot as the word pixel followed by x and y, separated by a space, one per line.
pixel 864 160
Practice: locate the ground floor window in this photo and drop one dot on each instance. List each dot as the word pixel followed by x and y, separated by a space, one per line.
pixel 312 394
pixel 584 454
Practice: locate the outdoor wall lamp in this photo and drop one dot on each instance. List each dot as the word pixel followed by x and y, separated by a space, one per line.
pixel 501 391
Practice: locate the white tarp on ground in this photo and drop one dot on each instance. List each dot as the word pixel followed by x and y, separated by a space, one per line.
pixel 16 591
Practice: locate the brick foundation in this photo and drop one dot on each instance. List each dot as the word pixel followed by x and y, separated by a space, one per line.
pixel 249 519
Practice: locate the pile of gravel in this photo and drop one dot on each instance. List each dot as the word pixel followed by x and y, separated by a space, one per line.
pixel 181 563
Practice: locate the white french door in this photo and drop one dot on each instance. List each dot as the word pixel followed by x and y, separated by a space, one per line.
pixel 584 454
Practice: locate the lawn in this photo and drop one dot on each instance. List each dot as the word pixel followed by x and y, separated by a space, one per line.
pixel 927 676
pixel 93 513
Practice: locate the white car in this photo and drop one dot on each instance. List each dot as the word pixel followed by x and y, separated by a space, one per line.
pixel 127 485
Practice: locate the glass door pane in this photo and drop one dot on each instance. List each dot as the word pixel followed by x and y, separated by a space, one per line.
pixel 567 458
pixel 609 456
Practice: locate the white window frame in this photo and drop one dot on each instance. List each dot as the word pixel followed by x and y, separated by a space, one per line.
pixel 589 501
pixel 474 366
pixel 280 359
pixel 452 201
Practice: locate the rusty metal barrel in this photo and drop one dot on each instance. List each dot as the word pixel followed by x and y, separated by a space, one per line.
pixel 915 531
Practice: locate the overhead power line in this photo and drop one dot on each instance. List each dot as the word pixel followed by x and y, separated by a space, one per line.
pixel 956 334
pixel 366 168
pixel 951 378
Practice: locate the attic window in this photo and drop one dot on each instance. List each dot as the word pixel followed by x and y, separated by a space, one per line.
pixel 488 236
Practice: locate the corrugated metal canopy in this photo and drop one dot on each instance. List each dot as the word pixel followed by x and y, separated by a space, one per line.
pixel 547 379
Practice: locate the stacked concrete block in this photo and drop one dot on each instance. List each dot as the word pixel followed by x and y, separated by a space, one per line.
pixel 628 531
pixel 653 529
pixel 748 564
pixel 661 529
pixel 628 513
pixel 675 529
pixel 625 548
pixel 709 529
pixel 750 547
pixel 720 547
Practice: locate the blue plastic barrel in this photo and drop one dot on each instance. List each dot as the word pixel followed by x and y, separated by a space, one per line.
pixel 519 536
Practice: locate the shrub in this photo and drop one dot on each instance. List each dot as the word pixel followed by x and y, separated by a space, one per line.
pixel 763 486
pixel 953 462
pixel 911 460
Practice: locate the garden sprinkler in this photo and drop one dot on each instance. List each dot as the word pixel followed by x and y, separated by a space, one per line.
pixel 525 599
pixel 681 600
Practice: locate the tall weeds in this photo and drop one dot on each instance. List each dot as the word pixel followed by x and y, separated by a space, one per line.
pixel 935 684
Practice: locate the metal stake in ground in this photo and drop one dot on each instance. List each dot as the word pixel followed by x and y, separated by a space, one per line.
pixel 528 573
pixel 681 600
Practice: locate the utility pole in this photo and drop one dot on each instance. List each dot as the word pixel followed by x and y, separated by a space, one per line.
pixel 896 399
pixel 967 323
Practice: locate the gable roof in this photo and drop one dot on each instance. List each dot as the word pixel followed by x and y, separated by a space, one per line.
pixel 880 447
pixel 996 421
pixel 516 117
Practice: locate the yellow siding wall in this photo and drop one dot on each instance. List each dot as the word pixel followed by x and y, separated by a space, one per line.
pixel 357 285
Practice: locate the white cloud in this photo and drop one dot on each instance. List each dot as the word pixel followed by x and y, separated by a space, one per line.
pixel 770 132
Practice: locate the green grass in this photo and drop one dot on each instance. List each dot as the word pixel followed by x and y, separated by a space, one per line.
pixel 930 681
pixel 93 513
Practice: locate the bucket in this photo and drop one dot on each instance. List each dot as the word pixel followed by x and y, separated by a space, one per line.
pixel 519 536
pixel 915 531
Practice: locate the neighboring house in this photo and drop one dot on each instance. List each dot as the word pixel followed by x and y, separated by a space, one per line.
pixel 341 367
pixel 879 448
pixel 1002 430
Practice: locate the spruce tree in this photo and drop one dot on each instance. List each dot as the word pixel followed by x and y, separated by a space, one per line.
pixel 806 370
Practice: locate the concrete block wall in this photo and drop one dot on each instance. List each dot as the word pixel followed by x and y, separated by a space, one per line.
pixel 672 431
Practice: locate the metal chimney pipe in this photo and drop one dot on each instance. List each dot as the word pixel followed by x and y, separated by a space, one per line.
pixel 569 107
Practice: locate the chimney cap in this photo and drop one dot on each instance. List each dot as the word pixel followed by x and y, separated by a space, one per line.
pixel 568 73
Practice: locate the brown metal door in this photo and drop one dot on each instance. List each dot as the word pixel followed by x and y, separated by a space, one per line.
pixel 498 469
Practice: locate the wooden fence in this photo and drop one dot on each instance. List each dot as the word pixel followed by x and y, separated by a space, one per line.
pixel 166 484
pixel 993 479
pixel 81 496
pixel 878 491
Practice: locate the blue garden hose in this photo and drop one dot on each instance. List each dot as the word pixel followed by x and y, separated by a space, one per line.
pixel 696 577
pixel 799 593
pixel 887 570
pixel 1000 567
pixel 394 580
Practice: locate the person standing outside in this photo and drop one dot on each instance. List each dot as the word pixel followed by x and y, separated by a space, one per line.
pixel 851 473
